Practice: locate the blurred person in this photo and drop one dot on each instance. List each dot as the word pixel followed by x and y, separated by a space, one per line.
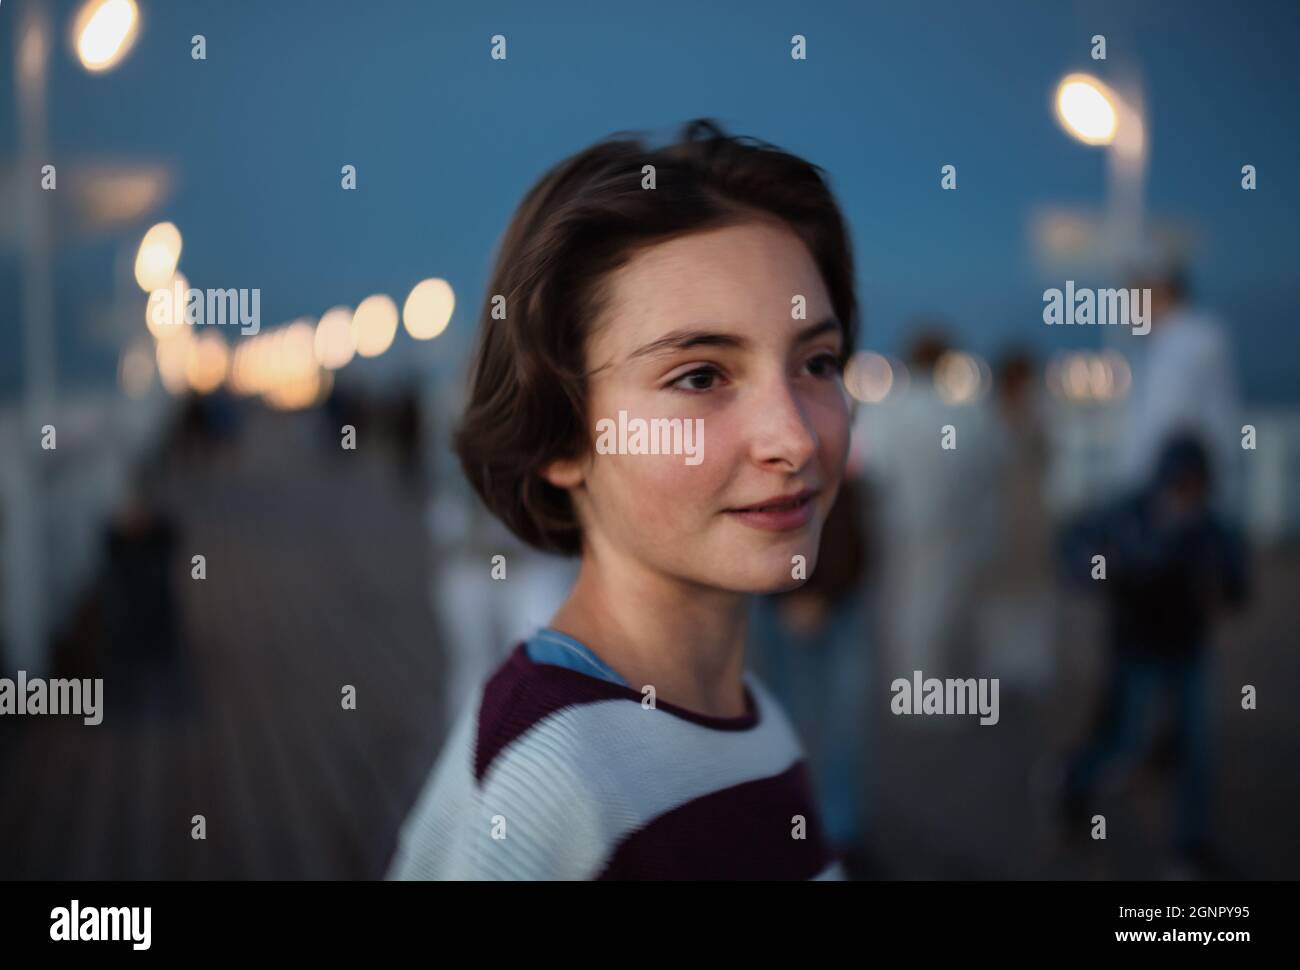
pixel 626 739
pixel 142 615
pixel 810 647
pixel 208 428
pixel 224 421
pixel 477 626
pixel 342 407
pixel 1014 591
pixel 934 526
pixel 1183 381
pixel 1171 567
pixel 408 432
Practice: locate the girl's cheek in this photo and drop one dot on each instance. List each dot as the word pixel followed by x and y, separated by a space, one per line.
pixel 668 485
pixel 833 431
pixel 835 412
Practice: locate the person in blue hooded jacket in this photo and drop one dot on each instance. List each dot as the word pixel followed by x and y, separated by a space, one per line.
pixel 1170 567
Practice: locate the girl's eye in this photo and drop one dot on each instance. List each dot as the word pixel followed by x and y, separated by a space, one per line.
pixel 824 365
pixel 699 380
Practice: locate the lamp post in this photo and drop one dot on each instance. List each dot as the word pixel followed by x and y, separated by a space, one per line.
pixel 1112 117
pixel 1096 113
pixel 103 33
pixel 32 68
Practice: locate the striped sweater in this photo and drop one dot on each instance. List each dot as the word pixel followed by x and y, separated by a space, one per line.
pixel 556 773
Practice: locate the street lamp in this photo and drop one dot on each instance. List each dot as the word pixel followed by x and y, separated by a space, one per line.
pixel 103 33
pixel 1086 109
pixel 1096 113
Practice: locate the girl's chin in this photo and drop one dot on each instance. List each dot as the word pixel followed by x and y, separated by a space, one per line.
pixel 781 578
pixel 781 584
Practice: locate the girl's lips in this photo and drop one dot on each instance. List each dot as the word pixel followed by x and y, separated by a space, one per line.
pixel 780 516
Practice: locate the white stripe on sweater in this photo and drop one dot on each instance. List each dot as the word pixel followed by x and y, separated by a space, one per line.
pixel 569 789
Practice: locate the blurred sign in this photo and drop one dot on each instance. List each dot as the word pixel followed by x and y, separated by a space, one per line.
pixel 91 198
pixel 1071 240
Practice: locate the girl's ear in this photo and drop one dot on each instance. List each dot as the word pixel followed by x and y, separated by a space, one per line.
pixel 566 473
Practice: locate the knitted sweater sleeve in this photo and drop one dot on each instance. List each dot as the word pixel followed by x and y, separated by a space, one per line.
pixel 533 816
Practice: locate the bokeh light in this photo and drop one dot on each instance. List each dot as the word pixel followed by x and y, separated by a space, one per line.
pixel 206 363
pixel 164 314
pixel 868 377
pixel 104 32
pixel 155 261
pixel 333 342
pixel 1087 109
pixel 428 309
pixel 374 325
pixel 957 377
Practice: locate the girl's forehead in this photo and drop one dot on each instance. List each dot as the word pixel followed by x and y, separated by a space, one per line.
pixel 738 256
pixel 739 279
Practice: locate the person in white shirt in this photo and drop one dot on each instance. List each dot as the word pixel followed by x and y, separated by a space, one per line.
pixel 936 513
pixel 1183 381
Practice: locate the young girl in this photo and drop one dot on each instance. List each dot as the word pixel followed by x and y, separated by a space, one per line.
pixel 703 288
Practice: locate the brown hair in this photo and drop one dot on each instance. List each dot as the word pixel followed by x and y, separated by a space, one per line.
pixel 586 217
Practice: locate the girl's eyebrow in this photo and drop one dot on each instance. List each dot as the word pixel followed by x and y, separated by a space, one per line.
pixel 694 337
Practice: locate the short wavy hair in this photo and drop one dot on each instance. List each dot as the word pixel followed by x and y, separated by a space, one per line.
pixel 584 219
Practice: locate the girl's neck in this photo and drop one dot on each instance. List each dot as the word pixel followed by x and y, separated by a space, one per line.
pixel 684 639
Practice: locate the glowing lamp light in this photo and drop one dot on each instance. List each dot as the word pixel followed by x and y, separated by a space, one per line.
pixel 1087 109
pixel 958 377
pixel 374 325
pixel 206 363
pixel 333 341
pixel 103 33
pixel 869 377
pixel 428 309
pixel 155 261
pixel 165 313
pixel 172 358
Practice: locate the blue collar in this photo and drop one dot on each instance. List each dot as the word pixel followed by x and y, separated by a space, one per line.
pixel 548 646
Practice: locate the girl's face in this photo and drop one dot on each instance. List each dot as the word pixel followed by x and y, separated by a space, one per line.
pixel 702 333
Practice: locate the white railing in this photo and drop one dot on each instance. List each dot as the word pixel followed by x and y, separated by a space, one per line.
pixel 1085 437
pixel 54 505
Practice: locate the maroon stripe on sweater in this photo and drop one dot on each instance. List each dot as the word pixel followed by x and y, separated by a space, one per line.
pixel 741 832
pixel 521 693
